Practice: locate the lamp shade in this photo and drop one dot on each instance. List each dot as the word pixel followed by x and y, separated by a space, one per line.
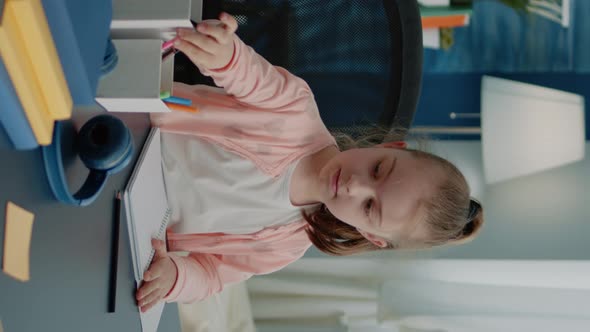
pixel 527 128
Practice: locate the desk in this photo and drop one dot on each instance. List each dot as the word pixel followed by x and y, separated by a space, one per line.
pixel 70 250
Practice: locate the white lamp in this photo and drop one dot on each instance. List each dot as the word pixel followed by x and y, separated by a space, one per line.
pixel 528 128
pixel 525 128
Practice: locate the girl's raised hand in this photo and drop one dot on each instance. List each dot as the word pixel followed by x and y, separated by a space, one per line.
pixel 211 44
pixel 158 280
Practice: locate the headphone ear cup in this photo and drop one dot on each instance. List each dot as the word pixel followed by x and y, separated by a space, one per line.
pixel 126 159
pixel 104 143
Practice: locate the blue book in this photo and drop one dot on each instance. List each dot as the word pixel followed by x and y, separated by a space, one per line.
pixel 12 116
pixel 80 31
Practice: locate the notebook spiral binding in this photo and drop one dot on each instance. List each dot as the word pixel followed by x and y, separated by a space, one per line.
pixel 161 232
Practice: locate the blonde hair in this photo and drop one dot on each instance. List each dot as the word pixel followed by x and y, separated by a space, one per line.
pixel 452 217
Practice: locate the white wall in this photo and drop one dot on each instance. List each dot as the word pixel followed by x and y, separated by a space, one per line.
pixel 541 216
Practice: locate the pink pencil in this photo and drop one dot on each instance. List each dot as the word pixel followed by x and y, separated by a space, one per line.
pixel 167 44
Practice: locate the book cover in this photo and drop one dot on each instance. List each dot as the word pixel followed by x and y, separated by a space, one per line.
pixel 23 78
pixel 12 116
pixel 80 31
pixel 452 21
pixel 434 3
pixel 445 3
pixel 431 38
pixel 40 49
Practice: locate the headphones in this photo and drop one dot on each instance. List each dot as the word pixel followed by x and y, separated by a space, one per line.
pixel 104 144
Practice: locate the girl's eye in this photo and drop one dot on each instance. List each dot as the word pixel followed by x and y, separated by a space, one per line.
pixel 376 170
pixel 368 206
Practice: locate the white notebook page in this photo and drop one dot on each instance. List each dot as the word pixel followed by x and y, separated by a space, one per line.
pixel 147 215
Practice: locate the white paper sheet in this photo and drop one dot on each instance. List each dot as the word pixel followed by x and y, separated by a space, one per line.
pixel 148 214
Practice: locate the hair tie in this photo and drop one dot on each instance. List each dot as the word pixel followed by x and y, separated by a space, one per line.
pixel 474 207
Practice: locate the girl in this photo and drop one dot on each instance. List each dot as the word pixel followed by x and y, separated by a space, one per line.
pixel 255 178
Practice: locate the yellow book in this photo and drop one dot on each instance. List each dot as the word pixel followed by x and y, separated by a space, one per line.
pixel 23 78
pixel 42 53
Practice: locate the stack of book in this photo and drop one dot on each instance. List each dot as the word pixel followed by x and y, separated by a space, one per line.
pixel 443 14
pixel 51 52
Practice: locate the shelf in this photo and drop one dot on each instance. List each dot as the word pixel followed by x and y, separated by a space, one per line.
pixel 150 19
pixel 137 80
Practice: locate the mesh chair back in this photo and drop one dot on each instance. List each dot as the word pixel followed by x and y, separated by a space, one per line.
pixel 361 58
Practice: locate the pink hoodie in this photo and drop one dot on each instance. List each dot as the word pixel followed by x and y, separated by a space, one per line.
pixel 265 114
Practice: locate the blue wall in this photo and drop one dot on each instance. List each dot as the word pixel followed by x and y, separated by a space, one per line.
pixel 502 42
pixel 499 38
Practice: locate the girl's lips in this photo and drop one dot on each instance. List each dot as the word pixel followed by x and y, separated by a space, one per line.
pixel 335 179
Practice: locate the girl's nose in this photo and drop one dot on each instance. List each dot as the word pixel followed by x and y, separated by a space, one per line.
pixel 358 186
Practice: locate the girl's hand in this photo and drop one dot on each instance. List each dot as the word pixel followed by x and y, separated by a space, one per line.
pixel 158 280
pixel 211 44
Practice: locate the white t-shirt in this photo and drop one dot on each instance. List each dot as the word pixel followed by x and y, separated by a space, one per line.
pixel 212 190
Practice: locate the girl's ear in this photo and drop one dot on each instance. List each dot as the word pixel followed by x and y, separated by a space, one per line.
pixel 376 240
pixel 395 145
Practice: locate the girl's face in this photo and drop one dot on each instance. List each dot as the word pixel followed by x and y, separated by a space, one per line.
pixel 379 190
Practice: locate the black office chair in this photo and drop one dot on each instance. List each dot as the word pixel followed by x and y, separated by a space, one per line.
pixel 361 58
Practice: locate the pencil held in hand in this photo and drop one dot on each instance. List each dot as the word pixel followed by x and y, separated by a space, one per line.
pixel 168 44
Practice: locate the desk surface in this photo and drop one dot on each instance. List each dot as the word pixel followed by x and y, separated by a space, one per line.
pixel 70 249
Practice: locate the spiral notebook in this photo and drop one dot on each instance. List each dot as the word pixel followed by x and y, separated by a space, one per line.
pixel 148 214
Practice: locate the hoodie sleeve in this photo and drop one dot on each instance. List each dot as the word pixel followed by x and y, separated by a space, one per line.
pixel 252 80
pixel 202 275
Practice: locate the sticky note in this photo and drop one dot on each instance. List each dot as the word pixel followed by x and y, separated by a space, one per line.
pixel 17 241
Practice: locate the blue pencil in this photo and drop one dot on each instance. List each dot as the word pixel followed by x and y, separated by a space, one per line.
pixel 178 100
